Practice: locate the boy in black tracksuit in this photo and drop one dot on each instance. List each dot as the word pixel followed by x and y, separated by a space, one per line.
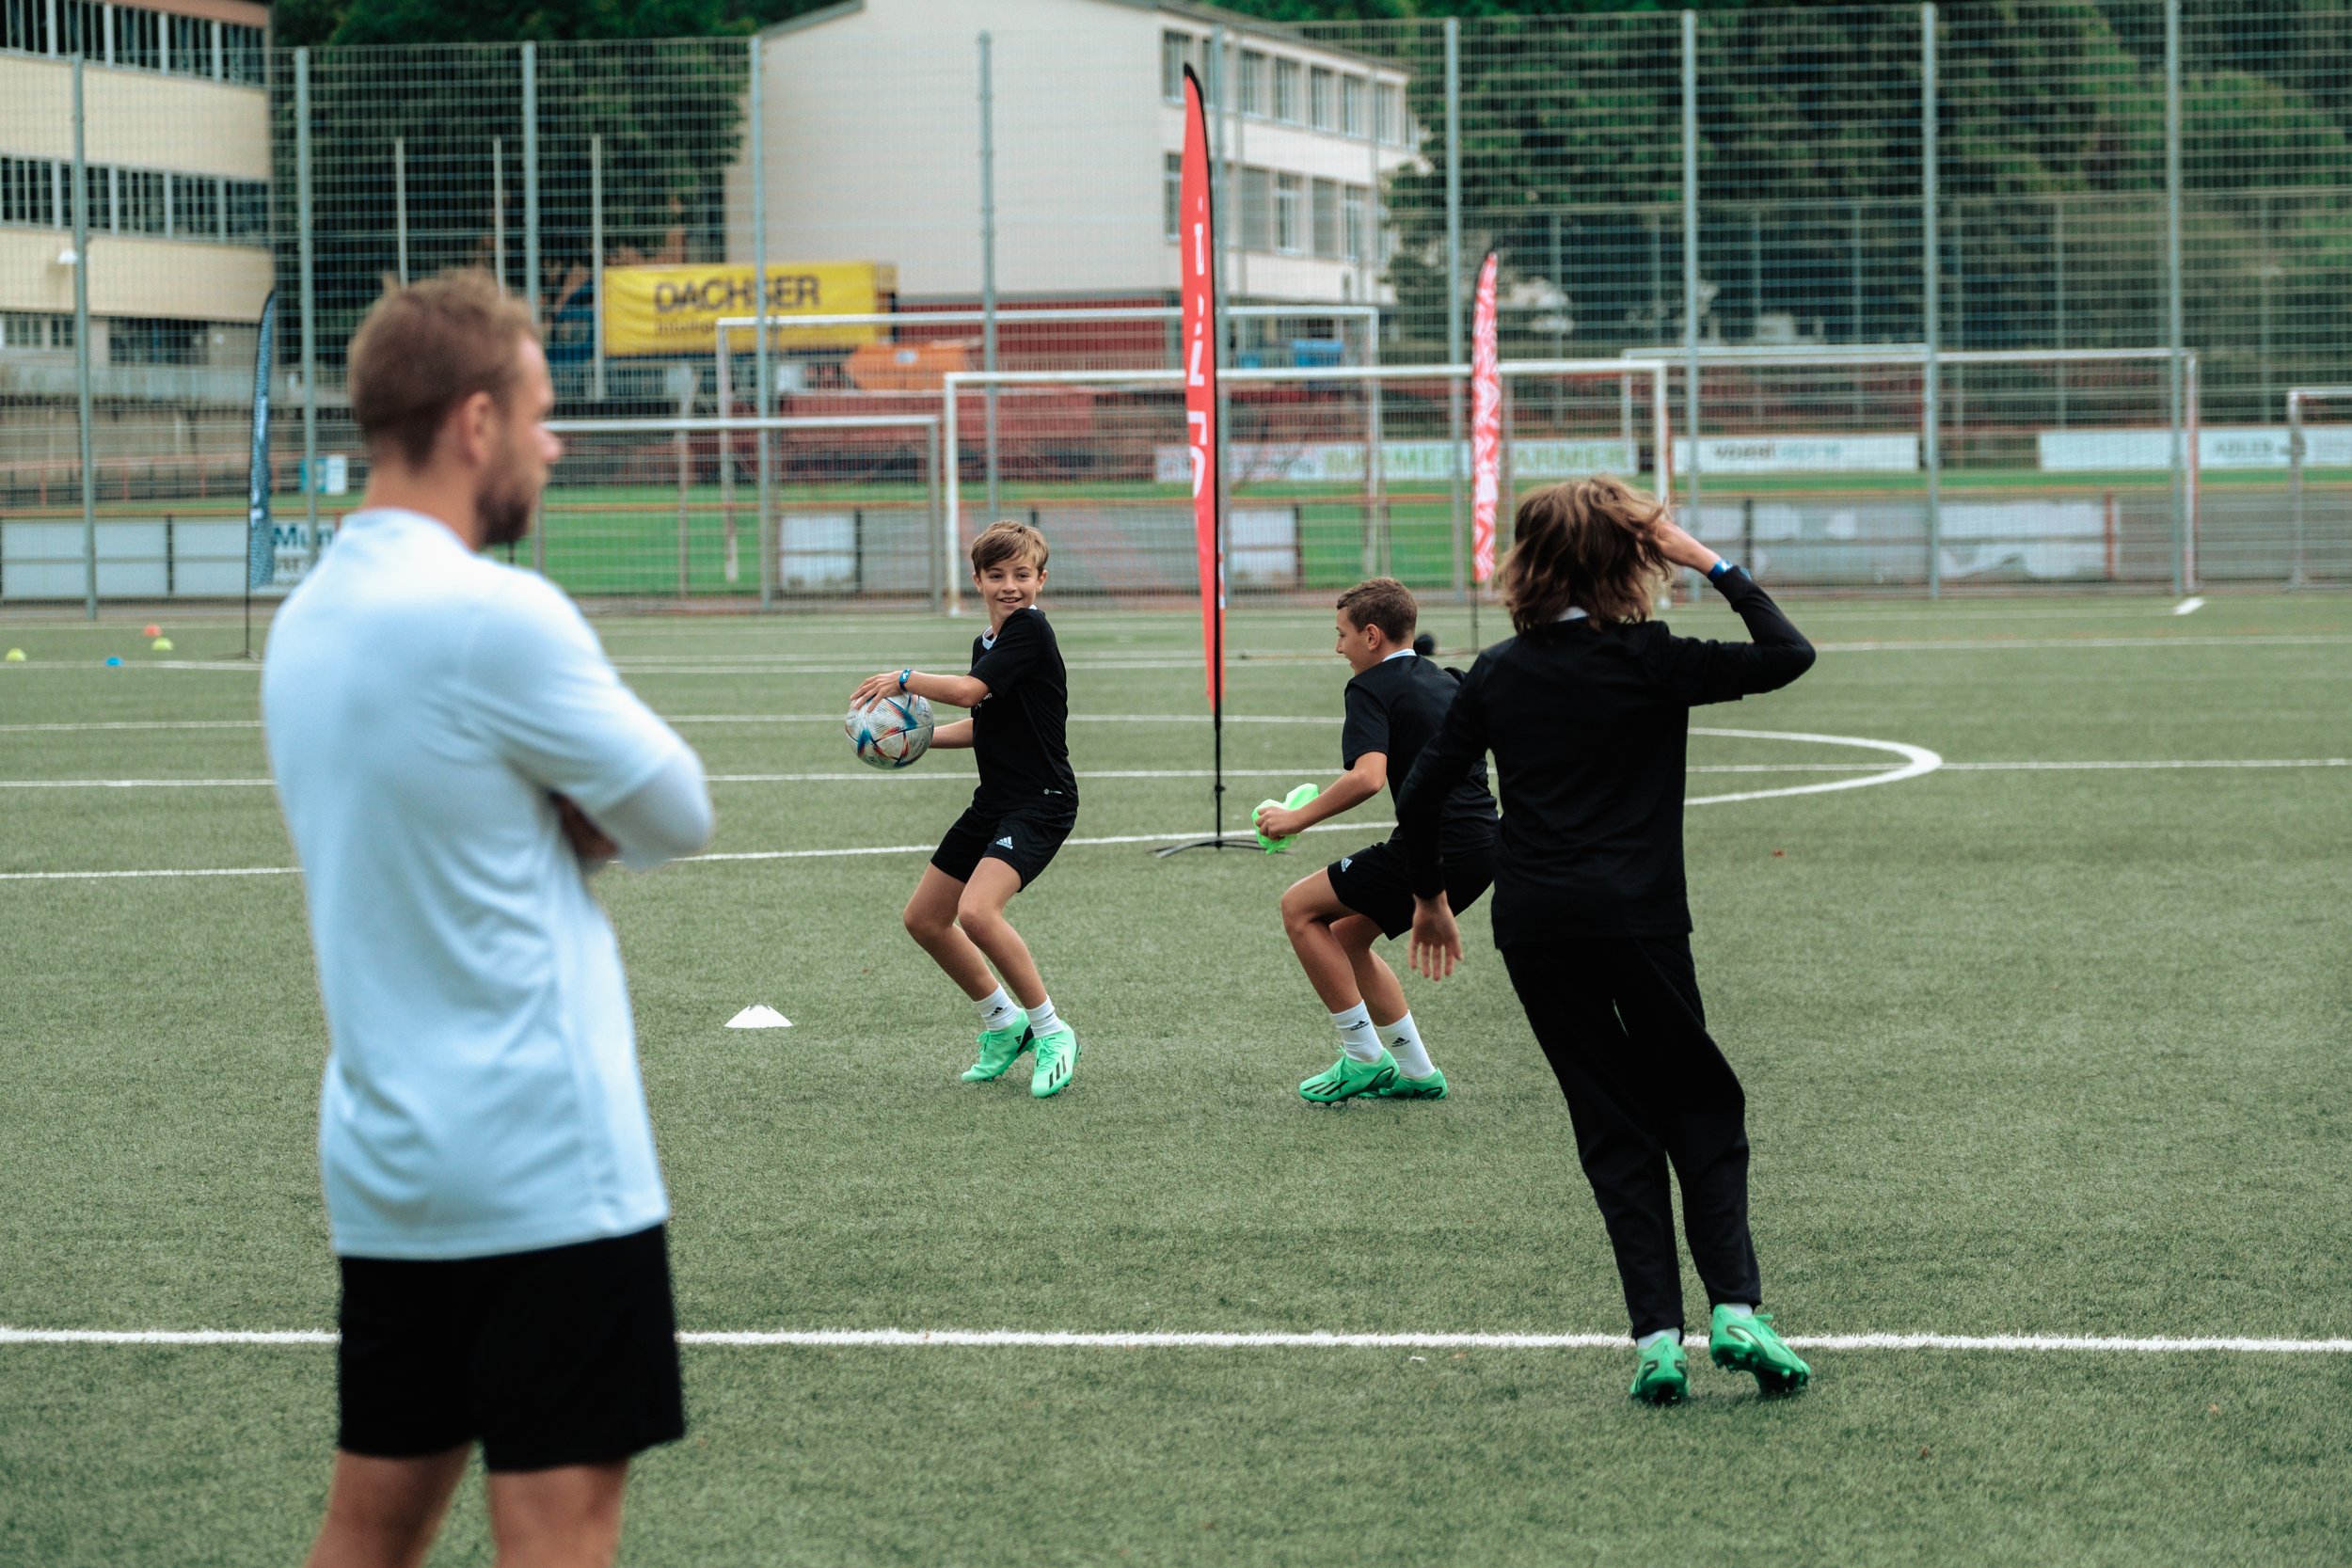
pixel 1587 714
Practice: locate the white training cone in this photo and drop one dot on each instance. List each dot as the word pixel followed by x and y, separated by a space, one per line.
pixel 759 1017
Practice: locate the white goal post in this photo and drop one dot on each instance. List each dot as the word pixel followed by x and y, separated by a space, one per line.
pixel 2298 457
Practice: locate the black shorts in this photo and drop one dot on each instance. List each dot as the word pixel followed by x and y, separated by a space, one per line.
pixel 1377 883
pixel 565 1356
pixel 1025 837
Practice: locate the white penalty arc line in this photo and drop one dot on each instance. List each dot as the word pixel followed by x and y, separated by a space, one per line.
pixel 907 1338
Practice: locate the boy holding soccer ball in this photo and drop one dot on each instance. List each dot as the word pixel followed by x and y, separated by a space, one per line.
pixel 1025 805
pixel 1395 703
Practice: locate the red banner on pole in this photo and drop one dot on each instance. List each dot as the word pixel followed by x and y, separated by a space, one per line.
pixel 1197 243
pixel 1485 425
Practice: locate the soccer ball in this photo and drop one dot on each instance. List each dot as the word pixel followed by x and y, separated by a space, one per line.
pixel 894 733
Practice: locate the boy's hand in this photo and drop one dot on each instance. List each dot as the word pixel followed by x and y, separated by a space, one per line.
pixel 587 840
pixel 1680 548
pixel 874 688
pixel 1437 943
pixel 1277 822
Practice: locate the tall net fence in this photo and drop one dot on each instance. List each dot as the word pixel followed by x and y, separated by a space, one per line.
pixel 908 170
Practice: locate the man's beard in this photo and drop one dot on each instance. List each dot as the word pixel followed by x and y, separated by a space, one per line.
pixel 503 505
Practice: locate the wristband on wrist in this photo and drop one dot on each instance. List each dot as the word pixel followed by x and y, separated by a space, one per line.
pixel 902 676
pixel 1721 570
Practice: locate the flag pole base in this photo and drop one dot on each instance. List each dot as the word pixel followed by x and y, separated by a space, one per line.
pixel 1205 844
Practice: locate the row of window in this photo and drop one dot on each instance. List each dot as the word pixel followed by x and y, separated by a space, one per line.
pixel 133 37
pixel 38 193
pixel 127 340
pixel 1288 214
pixel 1269 87
pixel 35 331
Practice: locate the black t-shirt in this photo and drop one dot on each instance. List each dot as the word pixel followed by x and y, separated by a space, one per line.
pixel 1589 724
pixel 1396 707
pixel 1021 731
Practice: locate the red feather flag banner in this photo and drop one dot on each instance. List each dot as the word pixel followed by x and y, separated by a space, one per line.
pixel 1198 245
pixel 1485 425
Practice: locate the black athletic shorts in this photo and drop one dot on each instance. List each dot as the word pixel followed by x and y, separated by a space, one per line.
pixel 1024 836
pixel 565 1356
pixel 1377 883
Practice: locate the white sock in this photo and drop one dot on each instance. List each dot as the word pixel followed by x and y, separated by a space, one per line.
pixel 1736 1309
pixel 1358 1037
pixel 998 1010
pixel 1044 1021
pixel 1404 1043
pixel 1648 1340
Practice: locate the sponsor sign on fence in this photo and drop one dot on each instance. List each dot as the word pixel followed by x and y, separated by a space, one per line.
pixel 675 310
pixel 1342 462
pixel 1800 455
pixel 2217 447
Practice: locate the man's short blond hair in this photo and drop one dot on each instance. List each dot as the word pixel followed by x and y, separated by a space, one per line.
pixel 1008 541
pixel 423 350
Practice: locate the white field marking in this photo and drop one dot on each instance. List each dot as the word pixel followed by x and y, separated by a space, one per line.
pixel 2189 606
pixel 2029 645
pixel 133 724
pixel 1918 761
pixel 938 1338
pixel 2103 766
pixel 118 875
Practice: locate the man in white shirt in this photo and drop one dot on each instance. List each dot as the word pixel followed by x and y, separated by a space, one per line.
pixel 454 755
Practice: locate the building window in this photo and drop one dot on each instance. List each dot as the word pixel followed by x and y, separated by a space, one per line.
pixel 191 41
pixel 1288 188
pixel 1319 99
pixel 155 340
pixel 1353 120
pixel 24 26
pixel 138 38
pixel 248 202
pixel 1388 107
pixel 32 330
pixel 195 206
pixel 1256 199
pixel 1358 215
pixel 1252 82
pixel 1173 195
pixel 1327 218
pixel 1286 91
pixel 28 192
pixel 1176 52
pixel 139 202
pixel 84 25
pixel 241 52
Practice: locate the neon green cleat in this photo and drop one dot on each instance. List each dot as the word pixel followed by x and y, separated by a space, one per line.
pixel 1662 1376
pixel 999 1050
pixel 1401 1087
pixel 1057 1062
pixel 1749 1343
pixel 1347 1077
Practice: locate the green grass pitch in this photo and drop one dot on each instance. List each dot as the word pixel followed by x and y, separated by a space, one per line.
pixel 2029 1051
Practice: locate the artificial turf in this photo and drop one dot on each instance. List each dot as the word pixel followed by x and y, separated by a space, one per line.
pixel 2027 1051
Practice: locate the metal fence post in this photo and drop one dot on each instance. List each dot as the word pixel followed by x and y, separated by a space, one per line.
pixel 596 261
pixel 2294 482
pixel 497 208
pixel 82 350
pixel 1690 263
pixel 1453 290
pixel 2057 286
pixel 1931 287
pixel 763 526
pixel 531 179
pixel 308 232
pixel 2174 337
pixel 400 204
pixel 988 260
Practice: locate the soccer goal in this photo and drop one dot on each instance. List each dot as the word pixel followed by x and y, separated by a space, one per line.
pixel 635 507
pixel 1848 467
pixel 1331 473
pixel 2319 485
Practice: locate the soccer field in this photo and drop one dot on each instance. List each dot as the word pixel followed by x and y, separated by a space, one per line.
pixel 2042 1013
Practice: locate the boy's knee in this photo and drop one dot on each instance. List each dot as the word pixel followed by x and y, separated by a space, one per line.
pixel 920 922
pixel 1298 913
pixel 976 916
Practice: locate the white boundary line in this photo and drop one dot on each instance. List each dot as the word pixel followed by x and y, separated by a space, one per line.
pixel 894 1338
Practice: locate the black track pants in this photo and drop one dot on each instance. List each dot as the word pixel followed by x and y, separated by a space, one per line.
pixel 1621 1020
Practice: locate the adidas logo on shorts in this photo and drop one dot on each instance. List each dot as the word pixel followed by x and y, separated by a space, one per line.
pixel 1005 843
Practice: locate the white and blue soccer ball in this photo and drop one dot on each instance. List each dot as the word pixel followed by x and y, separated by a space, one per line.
pixel 893 732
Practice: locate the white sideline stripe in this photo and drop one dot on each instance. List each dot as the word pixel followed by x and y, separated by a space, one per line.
pixel 1031 1339
pixel 1996 645
pixel 2101 767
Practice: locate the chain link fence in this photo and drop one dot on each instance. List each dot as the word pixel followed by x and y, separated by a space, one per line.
pixel 2057 348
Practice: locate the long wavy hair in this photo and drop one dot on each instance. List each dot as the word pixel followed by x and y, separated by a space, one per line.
pixel 1589 545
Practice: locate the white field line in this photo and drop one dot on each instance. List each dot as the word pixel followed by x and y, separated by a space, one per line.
pixel 896 1338
pixel 2189 606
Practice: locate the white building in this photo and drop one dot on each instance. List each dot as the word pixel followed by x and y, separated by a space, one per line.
pixel 872 148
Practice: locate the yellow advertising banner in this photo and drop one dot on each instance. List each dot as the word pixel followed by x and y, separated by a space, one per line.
pixel 675 310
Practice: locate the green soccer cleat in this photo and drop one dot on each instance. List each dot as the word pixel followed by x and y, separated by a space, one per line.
pixel 999 1050
pixel 1662 1376
pixel 1401 1087
pixel 1347 1077
pixel 1749 1343
pixel 1056 1061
